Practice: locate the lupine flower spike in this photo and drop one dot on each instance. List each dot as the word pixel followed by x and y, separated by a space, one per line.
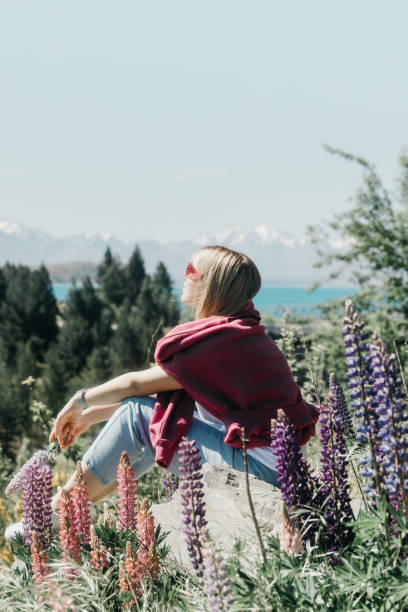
pixel 16 484
pixel 148 557
pixel 215 577
pixel 289 537
pixel 299 486
pixel 393 423
pixel 192 500
pixel 80 503
pixel 129 576
pixel 68 535
pixel 362 395
pixel 127 490
pixel 39 562
pixel 337 509
pixel 340 408
pixel 107 516
pixel 170 484
pixel 99 557
pixel 37 503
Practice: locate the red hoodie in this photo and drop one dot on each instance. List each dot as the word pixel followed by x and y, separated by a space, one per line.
pixel 234 369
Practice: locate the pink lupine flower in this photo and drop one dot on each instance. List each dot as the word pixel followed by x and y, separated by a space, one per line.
pixel 37 503
pixel 99 557
pixel 57 600
pixel 107 516
pixel 129 576
pixel 290 540
pixel 127 490
pixel 80 502
pixel 148 557
pixel 68 534
pixel 39 563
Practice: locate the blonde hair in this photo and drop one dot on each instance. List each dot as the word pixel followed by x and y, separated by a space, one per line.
pixel 229 280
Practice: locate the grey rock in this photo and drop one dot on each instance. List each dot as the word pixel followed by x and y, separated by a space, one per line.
pixel 227 511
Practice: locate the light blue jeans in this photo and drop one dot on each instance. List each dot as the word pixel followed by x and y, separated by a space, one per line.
pixel 128 429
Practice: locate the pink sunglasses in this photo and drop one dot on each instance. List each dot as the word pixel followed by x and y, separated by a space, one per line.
pixel 192 273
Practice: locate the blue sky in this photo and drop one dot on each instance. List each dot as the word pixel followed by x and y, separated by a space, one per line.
pixel 168 119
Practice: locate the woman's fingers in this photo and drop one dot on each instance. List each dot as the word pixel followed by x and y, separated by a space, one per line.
pixel 65 426
pixel 70 440
pixel 59 423
pixel 66 433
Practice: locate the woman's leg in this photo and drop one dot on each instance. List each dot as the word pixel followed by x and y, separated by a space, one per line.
pixel 127 430
pixel 210 442
pixel 96 490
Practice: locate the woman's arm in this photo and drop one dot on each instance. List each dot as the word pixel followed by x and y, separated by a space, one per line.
pixel 98 414
pixel 103 399
pixel 131 384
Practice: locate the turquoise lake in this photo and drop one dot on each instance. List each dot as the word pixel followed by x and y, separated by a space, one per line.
pixel 271 300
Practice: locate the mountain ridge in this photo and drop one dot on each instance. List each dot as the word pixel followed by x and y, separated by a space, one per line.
pixel 280 256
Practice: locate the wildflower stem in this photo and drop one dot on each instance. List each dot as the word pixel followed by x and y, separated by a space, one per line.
pixel 357 479
pixel 156 331
pixel 404 382
pixel 251 505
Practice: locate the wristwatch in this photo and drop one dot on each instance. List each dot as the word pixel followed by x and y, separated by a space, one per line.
pixel 79 396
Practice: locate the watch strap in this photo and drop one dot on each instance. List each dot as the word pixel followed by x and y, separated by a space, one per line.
pixel 79 396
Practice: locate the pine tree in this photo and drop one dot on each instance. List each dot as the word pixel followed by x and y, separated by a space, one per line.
pixel 2 286
pixel 135 274
pixel 112 279
pixel 14 406
pixel 84 318
pixel 28 310
pixel 161 278
pixel 167 302
pixel 128 341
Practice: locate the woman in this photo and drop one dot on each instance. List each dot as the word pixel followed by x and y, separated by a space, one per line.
pixel 213 375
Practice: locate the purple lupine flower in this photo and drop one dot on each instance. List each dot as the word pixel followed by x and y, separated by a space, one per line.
pixel 39 458
pixel 393 423
pixel 299 486
pixel 362 394
pixel 215 577
pixel 192 500
pixel 170 484
pixel 337 508
pixel 37 503
pixel 340 408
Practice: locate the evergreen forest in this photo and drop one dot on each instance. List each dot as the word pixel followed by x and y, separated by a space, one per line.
pixel 50 349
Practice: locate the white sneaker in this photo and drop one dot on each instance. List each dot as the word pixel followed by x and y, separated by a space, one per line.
pixel 13 531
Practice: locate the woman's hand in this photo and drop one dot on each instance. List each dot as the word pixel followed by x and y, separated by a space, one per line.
pixel 70 422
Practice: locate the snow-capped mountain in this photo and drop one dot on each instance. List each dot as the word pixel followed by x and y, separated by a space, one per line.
pixel 260 235
pixel 281 257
